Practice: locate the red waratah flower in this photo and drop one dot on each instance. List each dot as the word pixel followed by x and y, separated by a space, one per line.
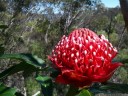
pixel 84 58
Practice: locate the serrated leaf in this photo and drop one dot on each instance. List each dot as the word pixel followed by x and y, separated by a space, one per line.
pixel 46 85
pixel 17 68
pixel 110 88
pixel 7 91
pixel 84 92
pixel 122 88
pixel 28 58
pixel 3 26
pixel 121 60
pixel 95 89
pixel 124 61
pixel 28 65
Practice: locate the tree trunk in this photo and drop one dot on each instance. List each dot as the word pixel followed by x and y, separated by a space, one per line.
pixel 124 9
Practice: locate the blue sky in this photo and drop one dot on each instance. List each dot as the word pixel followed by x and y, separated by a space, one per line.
pixel 110 3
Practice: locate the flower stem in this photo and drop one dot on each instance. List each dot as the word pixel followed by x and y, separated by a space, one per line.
pixel 72 91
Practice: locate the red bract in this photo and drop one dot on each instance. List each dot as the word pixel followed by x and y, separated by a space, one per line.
pixel 83 58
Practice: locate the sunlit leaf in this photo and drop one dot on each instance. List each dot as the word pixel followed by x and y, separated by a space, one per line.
pixel 28 58
pixel 84 92
pixel 6 91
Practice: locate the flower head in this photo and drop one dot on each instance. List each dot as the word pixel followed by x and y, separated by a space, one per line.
pixel 84 58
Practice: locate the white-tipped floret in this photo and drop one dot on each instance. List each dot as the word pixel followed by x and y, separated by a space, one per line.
pixel 90 47
pixel 67 46
pixel 106 44
pixel 85 52
pixel 80 45
pixel 105 52
pixel 64 54
pixel 110 55
pixel 102 58
pixel 99 46
pixel 89 38
pixel 56 46
pixel 77 53
pixel 86 41
pixel 59 52
pixel 72 55
pixel 72 49
pixel 94 53
pixel 93 41
pixel 103 37
pixel 61 43
pixel 79 38
pixel 115 49
pixel 55 59
pixel 76 60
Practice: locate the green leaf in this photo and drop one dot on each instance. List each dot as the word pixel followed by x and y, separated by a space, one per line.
pixel 46 85
pixel 2 49
pixel 3 26
pixel 72 91
pixel 7 91
pixel 121 60
pixel 23 66
pixel 29 64
pixel 84 92
pixel 113 87
pixel 28 58
pixel 109 88
pixel 124 61
pixel 54 73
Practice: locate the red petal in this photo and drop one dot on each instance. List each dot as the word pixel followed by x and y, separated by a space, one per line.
pixel 107 75
pixel 114 66
pixel 60 79
pixel 98 78
pixel 71 77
